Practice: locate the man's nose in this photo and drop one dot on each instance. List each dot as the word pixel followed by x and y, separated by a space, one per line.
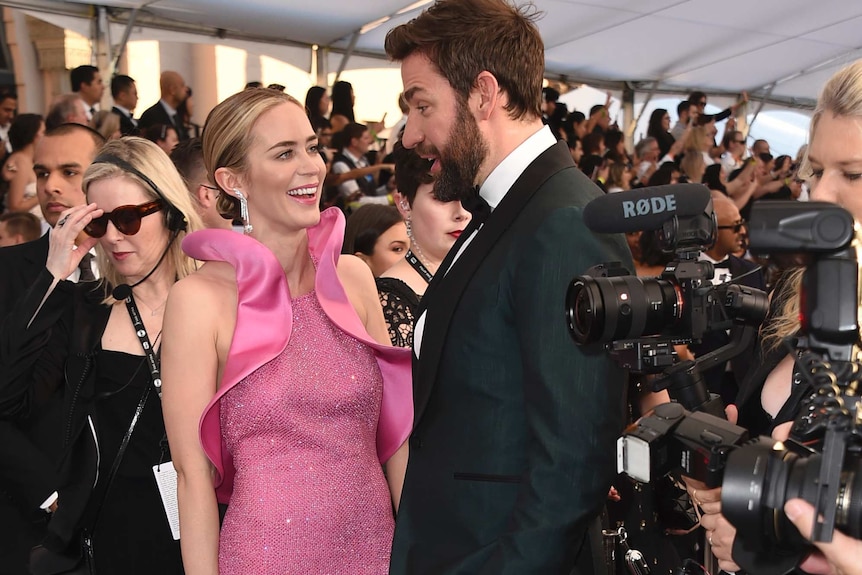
pixel 412 134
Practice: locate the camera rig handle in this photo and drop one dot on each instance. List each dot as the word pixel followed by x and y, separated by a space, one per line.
pixel 684 381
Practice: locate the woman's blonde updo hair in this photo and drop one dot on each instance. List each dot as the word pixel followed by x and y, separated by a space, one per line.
pixel 151 161
pixel 227 136
pixel 842 97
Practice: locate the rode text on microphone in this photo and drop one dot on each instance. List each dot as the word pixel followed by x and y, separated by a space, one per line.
pixel 644 206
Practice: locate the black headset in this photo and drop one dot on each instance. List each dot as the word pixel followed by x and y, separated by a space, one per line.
pixel 175 220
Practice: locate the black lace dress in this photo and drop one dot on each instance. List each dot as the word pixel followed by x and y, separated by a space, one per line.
pixel 399 303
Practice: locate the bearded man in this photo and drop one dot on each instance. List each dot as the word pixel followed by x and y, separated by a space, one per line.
pixel 512 451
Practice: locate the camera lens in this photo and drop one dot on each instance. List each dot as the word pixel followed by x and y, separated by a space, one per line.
pixel 582 310
pixel 746 304
pixel 621 307
pixel 761 477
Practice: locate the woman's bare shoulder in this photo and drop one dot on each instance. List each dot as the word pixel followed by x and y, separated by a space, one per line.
pixel 212 281
pixel 353 271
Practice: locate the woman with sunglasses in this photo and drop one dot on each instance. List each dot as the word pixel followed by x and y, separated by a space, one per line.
pixel 282 393
pixel 84 346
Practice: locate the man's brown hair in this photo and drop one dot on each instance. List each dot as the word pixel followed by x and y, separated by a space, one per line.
pixel 23 223
pixel 463 38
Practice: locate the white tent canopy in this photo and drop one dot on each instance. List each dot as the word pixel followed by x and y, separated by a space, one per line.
pixel 778 50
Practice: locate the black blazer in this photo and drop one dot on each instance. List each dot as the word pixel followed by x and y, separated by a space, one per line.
pixel 127 127
pixel 512 451
pixel 20 264
pixel 156 114
pixel 29 473
pixel 50 364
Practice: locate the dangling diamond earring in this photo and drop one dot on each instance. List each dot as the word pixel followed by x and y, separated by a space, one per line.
pixel 247 228
pixel 409 229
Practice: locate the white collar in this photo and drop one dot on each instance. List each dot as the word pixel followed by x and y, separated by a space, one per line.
pixel 171 112
pixel 349 155
pixel 503 177
pixel 123 110
pixel 705 258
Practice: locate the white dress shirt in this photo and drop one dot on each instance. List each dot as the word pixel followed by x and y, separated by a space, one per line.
pixel 493 190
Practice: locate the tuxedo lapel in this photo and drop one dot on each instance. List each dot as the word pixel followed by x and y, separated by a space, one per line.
pixel 442 301
pixel 36 252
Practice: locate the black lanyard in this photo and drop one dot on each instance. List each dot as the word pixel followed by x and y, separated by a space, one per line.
pixel 417 265
pixel 141 332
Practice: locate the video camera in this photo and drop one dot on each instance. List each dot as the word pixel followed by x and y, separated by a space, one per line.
pixel 641 319
pixel 822 463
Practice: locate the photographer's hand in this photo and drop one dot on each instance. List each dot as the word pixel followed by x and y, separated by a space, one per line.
pixel 719 532
pixel 843 556
pixel 720 535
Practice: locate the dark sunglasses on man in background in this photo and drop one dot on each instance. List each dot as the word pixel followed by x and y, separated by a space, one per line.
pixel 736 226
pixel 127 219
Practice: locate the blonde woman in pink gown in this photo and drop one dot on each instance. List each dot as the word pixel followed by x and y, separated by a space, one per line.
pixel 282 396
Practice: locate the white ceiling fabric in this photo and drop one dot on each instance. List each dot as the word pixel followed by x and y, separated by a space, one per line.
pixel 677 45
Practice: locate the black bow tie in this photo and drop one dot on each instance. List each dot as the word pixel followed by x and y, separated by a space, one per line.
pixel 477 206
pixel 722 264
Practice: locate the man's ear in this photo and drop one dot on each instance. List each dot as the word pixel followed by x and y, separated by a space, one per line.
pixel 206 197
pixel 487 92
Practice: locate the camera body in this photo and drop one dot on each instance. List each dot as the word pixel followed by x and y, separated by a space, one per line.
pixel 642 318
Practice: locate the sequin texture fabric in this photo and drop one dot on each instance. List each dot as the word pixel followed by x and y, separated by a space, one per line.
pixel 309 493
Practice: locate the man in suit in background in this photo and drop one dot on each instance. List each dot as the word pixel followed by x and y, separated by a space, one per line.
pixel 88 86
pixel 174 92
pixel 29 448
pixel 124 91
pixel 60 159
pixel 724 379
pixel 512 451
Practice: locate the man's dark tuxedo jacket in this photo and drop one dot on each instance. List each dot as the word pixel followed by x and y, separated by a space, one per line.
pixel 29 448
pixel 740 364
pixel 21 265
pixel 127 127
pixel 156 114
pixel 513 447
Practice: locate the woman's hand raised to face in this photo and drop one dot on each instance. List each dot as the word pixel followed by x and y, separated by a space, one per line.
pixel 65 252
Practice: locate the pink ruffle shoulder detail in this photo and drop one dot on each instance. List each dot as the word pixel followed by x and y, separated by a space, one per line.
pixel 263 327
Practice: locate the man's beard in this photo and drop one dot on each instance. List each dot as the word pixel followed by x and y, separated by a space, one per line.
pixel 460 161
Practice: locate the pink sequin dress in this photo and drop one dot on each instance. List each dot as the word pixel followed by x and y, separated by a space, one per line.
pixel 308 406
pixel 309 495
